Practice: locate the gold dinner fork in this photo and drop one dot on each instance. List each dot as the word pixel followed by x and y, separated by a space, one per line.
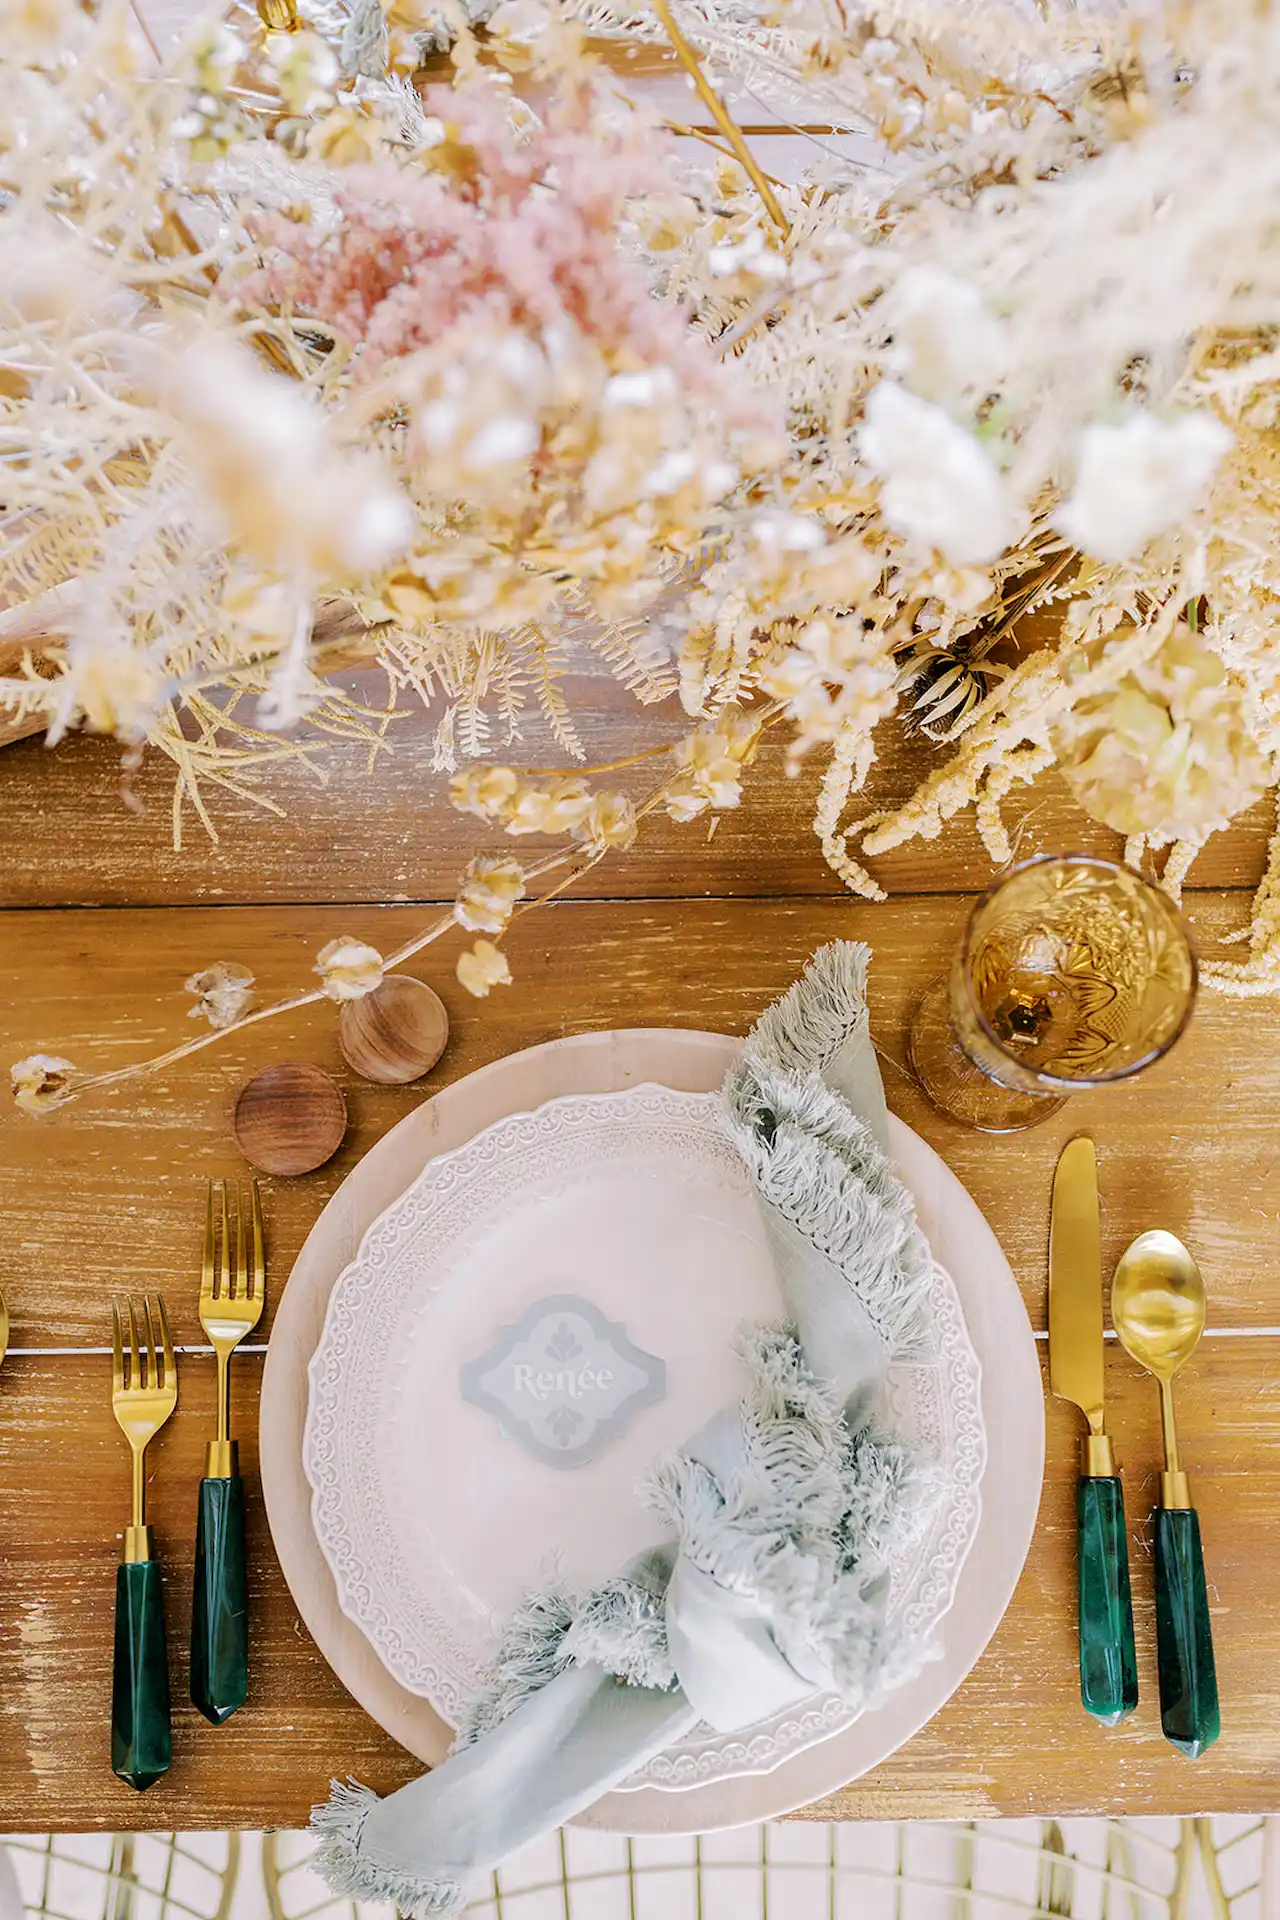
pixel 232 1289
pixel 144 1392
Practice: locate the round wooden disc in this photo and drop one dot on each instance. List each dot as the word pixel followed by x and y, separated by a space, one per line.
pixel 395 1033
pixel 290 1118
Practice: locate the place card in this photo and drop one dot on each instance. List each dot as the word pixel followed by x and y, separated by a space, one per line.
pixel 563 1381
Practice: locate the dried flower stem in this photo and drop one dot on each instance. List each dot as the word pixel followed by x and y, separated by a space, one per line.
pixel 720 114
pixel 157 1062
pixel 587 773
pixel 161 1060
pixel 709 140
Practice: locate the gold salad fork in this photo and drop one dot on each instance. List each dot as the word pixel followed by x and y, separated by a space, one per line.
pixel 144 1392
pixel 232 1289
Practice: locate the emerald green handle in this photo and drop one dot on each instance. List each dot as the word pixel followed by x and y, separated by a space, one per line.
pixel 1108 1663
pixel 141 1743
pixel 219 1614
pixel 1184 1638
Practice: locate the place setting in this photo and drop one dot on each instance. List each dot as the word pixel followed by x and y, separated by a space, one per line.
pixel 652 1429
pixel 652 1424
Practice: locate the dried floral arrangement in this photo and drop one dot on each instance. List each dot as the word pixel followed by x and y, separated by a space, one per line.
pixel 302 362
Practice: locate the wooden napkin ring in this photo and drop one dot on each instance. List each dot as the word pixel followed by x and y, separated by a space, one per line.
pixel 290 1118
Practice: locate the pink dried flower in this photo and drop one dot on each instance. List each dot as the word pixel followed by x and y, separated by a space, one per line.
pixel 506 231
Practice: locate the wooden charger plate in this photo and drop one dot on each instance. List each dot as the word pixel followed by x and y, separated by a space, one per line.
pixel 1012 1404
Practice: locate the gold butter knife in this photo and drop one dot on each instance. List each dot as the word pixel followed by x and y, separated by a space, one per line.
pixel 1108 1664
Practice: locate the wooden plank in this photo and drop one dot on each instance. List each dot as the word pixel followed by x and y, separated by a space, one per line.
pixel 111 1186
pixel 67 838
pixel 1013 1740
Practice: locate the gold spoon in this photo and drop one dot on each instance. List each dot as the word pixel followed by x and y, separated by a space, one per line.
pixel 1158 1309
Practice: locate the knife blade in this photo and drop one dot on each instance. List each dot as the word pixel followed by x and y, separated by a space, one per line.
pixel 1108 1664
pixel 1075 1294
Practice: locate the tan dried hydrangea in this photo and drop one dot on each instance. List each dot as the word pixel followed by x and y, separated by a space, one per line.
pixel 41 1081
pixel 222 993
pixel 350 969
pixel 1168 753
pixel 558 808
pixel 710 764
pixel 609 824
pixel 490 889
pixel 481 967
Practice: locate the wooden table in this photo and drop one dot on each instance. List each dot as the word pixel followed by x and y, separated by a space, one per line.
pixel 102 922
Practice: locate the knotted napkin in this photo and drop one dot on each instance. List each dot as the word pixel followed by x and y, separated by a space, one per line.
pixel 783 1513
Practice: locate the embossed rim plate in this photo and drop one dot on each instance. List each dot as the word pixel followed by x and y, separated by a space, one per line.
pixel 638 1193
pixel 1013 1412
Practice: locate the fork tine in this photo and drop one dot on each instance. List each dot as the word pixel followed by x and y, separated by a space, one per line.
pixel 137 1378
pixel 208 1274
pixel 166 1340
pixel 242 1244
pixel 154 1343
pixel 117 1348
pixel 258 1277
pixel 224 1262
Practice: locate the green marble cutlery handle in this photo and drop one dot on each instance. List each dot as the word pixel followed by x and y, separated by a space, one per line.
pixel 1184 1638
pixel 219 1614
pixel 141 1742
pixel 1108 1663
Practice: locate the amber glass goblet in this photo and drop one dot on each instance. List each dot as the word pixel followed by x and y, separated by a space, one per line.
pixel 1072 972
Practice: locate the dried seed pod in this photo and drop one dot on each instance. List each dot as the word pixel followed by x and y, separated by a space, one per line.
pixel 290 1118
pixel 395 1033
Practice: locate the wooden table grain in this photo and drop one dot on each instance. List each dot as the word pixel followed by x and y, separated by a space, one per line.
pixel 102 923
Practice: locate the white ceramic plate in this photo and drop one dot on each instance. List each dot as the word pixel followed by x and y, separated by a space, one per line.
pixel 435 1523
pixel 1012 1402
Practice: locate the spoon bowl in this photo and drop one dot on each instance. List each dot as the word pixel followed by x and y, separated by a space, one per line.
pixel 1158 1303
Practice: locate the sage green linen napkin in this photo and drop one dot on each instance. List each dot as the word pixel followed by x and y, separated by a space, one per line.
pixel 782 1514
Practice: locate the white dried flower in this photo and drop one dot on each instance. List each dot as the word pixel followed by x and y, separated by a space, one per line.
pixel 939 485
pixel 306 68
pixel 40 1081
pixel 788 533
pixel 50 276
pixel 1136 480
pixel 519 21
pixel 485 791
pixel 508 437
pixel 644 387
pixel 671 472
pixel 349 969
pixel 481 967
pixel 40 28
pixel 290 498
pixel 109 687
pixel 223 991
pixel 709 765
pixel 609 824
pixel 948 344
pixel 557 808
pixel 488 895
pixel 216 51
pixel 751 255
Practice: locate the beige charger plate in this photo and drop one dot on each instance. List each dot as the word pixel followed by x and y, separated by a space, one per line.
pixel 1012 1404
